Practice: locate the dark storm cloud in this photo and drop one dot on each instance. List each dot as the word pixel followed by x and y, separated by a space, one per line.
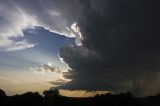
pixel 121 47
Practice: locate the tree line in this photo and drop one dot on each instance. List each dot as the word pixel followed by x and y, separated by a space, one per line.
pixel 54 98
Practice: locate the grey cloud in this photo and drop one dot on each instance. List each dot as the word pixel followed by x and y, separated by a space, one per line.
pixel 124 38
pixel 58 82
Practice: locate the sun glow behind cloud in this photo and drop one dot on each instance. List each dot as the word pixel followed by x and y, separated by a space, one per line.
pixel 15 68
pixel 55 70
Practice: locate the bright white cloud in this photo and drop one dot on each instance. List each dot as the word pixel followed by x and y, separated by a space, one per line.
pixel 12 23
pixel 16 16
pixel 19 45
pixel 75 31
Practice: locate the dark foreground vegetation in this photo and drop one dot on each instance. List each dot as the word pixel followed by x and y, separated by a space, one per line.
pixel 53 98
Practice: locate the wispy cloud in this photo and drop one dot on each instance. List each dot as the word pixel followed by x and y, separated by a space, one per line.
pixel 44 68
pixel 13 21
pixel 59 82
pixel 18 45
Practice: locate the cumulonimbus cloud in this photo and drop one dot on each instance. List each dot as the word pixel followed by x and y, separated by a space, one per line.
pixel 120 47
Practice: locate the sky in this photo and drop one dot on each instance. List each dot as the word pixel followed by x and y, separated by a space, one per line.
pixel 84 46
pixel 18 71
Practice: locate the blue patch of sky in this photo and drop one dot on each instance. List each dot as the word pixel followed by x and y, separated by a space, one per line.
pixel 47 50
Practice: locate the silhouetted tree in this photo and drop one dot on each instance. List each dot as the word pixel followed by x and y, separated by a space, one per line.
pixel 2 97
pixel 27 99
pixel 51 93
pixel 2 93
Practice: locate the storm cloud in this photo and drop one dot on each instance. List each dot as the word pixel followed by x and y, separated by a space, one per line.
pixel 120 48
